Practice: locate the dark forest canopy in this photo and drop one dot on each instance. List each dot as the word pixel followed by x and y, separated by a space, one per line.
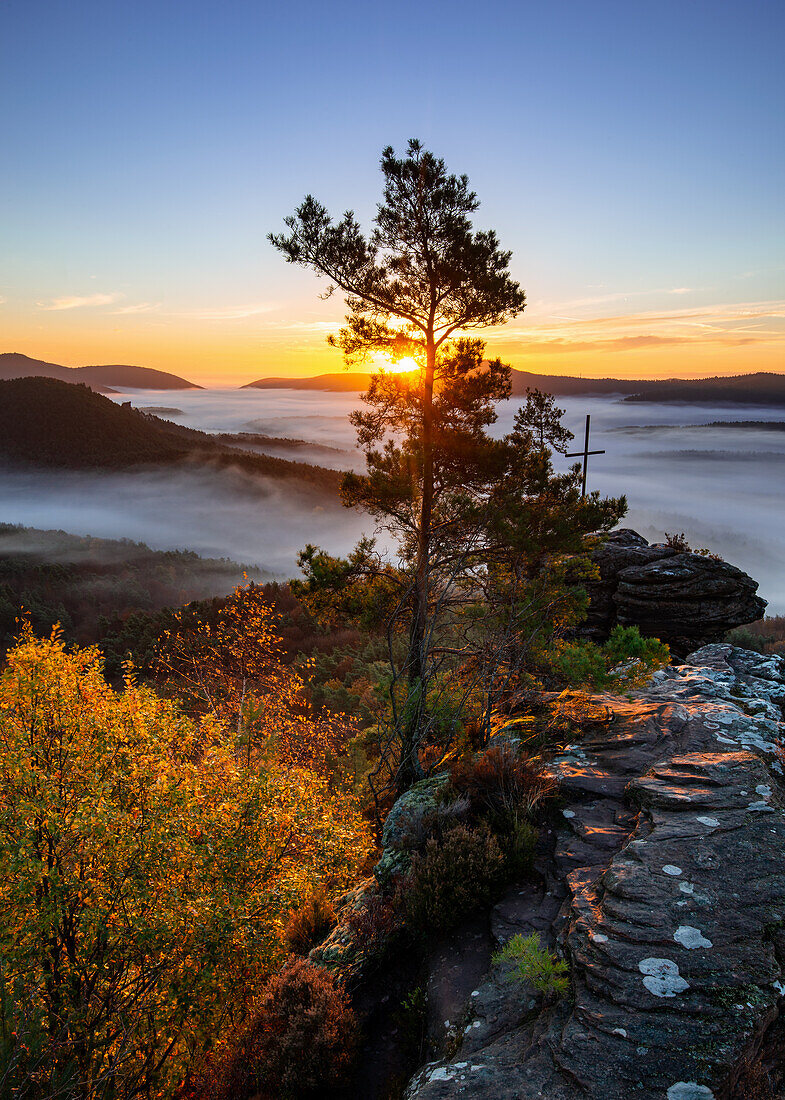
pixel 46 422
pixel 52 577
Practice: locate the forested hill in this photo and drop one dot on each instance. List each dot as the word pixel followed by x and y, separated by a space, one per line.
pixel 85 583
pixel 105 379
pixel 763 388
pixel 741 389
pixel 45 422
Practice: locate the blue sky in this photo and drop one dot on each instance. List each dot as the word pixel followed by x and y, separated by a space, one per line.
pixel 631 155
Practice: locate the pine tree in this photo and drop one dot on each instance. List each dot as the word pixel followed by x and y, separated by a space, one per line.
pixel 422 275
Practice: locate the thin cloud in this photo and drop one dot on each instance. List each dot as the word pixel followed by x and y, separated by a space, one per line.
pixel 724 325
pixel 620 343
pixel 606 299
pixel 231 313
pixel 726 313
pixel 304 326
pixel 140 307
pixel 76 302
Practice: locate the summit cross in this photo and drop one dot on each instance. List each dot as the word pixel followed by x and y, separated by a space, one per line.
pixel 584 454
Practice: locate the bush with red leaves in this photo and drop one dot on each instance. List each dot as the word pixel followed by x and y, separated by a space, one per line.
pixel 309 923
pixel 376 925
pixel 458 874
pixel 502 785
pixel 300 1043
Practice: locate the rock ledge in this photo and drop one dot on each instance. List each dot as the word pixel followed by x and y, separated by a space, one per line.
pixel 665 889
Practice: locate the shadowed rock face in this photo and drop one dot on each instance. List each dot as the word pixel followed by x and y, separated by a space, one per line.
pixel 664 887
pixel 685 599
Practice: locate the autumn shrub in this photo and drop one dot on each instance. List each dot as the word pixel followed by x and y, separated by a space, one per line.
pixel 678 541
pixel 145 876
pixel 754 1081
pixel 454 875
pixel 503 785
pixel 309 923
pixel 300 1042
pixel 377 924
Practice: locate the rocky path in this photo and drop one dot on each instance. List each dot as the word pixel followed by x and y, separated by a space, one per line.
pixel 664 886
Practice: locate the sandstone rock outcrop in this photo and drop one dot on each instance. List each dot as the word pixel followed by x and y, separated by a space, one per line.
pixel 663 886
pixel 685 599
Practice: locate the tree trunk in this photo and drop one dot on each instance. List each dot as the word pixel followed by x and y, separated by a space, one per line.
pixel 410 769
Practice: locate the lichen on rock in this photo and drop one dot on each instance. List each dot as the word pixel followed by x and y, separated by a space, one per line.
pixel 664 886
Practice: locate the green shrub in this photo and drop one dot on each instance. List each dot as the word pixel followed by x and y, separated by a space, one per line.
pixel 743 638
pixel 534 965
pixel 625 660
pixel 518 846
pixel 581 664
pixel 300 1043
pixel 411 1020
pixel 454 875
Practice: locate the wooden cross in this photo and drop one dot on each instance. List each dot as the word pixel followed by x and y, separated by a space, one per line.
pixel 584 454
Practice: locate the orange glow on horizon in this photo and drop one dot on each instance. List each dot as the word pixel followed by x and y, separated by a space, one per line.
pixel 680 343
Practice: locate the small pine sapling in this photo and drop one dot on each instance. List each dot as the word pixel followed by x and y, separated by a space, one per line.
pixel 533 964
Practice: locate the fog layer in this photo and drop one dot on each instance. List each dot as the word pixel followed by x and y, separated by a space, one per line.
pixel 721 486
pixel 217 514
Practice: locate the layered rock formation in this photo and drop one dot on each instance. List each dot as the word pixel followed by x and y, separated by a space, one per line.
pixel 664 888
pixel 685 599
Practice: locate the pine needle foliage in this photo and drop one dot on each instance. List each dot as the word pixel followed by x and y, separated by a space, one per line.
pixel 534 965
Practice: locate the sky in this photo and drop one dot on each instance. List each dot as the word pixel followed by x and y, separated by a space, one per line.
pixel 631 155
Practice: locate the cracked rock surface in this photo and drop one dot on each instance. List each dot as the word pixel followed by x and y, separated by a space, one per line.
pixel 664 887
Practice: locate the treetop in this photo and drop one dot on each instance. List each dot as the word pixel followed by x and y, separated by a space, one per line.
pixel 421 275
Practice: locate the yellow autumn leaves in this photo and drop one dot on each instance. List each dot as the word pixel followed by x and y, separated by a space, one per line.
pixel 145 874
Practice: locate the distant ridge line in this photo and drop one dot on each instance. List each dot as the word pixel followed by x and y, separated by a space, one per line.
pixel 107 378
pixel 761 387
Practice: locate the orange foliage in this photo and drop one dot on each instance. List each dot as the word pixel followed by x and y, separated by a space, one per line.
pixel 237 671
pixel 146 874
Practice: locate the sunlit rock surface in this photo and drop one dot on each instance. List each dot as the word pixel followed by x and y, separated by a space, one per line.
pixel 663 885
pixel 685 599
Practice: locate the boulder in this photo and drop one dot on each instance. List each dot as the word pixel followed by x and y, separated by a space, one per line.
pixel 665 893
pixel 685 599
pixel 421 799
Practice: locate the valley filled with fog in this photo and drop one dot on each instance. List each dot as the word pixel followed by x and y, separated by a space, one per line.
pixel 720 485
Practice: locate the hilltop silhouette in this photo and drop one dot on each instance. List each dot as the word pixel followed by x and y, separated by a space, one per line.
pixel 105 379
pixel 743 389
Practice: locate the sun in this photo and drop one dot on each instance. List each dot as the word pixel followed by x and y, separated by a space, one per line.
pixel 397 366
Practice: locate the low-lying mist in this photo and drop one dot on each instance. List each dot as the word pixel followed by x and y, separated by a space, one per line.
pixel 719 485
pixel 216 513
